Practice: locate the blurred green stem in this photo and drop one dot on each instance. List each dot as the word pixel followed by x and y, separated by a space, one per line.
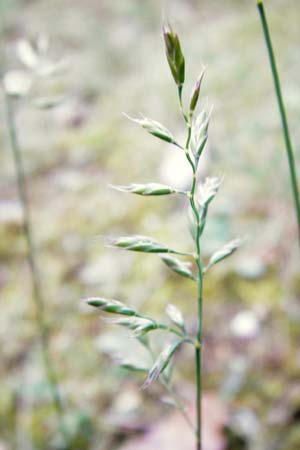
pixel 31 256
pixel 166 384
pixel 177 402
pixel 286 134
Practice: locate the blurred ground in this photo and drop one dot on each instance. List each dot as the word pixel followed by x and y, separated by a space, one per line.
pixel 115 62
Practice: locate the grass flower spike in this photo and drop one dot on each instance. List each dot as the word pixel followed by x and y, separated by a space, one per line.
pixel 174 55
pixel 188 264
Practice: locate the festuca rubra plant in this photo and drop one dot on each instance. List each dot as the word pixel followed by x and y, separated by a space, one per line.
pixel 188 264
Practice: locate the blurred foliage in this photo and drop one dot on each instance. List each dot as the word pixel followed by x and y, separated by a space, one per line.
pixel 115 62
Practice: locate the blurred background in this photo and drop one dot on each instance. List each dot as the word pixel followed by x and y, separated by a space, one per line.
pixel 107 57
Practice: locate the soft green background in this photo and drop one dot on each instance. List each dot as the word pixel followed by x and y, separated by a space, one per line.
pixel 115 63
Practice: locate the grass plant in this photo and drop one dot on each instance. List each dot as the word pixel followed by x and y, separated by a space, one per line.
pixel 198 199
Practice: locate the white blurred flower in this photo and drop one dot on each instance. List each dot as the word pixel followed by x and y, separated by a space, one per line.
pixel 27 55
pixel 17 83
pixel 35 58
pixel 245 325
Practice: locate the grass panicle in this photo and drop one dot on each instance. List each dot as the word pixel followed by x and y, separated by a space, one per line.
pixel 198 199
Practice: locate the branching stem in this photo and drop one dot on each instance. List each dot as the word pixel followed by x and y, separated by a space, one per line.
pixel 178 403
pixel 177 400
pixel 179 333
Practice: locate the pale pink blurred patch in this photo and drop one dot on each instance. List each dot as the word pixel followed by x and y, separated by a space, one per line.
pixel 172 433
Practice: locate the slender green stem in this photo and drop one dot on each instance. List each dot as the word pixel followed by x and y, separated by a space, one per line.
pixel 162 326
pixel 175 252
pixel 181 105
pixel 198 358
pixel 198 345
pixel 286 134
pixel 31 256
pixel 177 400
pixel 179 333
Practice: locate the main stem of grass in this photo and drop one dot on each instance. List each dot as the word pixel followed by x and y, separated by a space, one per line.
pixel 198 346
pixel 37 291
pixel 286 134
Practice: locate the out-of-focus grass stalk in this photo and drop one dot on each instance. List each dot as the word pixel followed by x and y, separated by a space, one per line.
pixel 31 256
pixel 285 128
pixel 177 401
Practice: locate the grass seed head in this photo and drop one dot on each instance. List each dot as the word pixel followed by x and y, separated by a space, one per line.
pixel 110 306
pixel 174 54
pixel 146 189
pixel 196 92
